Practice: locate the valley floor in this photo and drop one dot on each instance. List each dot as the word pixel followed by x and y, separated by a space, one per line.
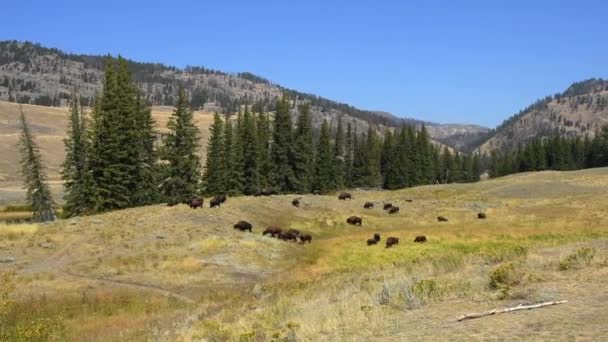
pixel 173 273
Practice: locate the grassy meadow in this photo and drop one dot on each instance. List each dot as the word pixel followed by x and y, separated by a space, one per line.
pixel 177 274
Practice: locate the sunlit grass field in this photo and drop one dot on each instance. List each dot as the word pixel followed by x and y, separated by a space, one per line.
pixel 173 273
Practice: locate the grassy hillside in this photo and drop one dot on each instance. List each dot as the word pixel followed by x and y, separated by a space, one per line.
pixel 173 273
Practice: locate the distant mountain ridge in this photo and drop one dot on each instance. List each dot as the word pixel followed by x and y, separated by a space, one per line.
pixel 31 73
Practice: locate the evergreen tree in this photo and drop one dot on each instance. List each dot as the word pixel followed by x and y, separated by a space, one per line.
pixel 303 150
pixel 338 157
pixel 249 141
pixel 263 130
pixel 115 148
pixel 359 160
pixel 323 176
pixel 38 194
pixel 348 157
pixel 236 180
pixel 372 176
pixel 213 177
pixel 425 158
pixel 180 150
pixel 146 191
pixel 283 175
pixel 79 194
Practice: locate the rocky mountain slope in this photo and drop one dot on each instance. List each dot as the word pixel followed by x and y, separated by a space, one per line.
pixel 33 74
pixel 580 110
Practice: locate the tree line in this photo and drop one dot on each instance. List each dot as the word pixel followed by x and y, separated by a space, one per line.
pixel 248 153
pixel 552 153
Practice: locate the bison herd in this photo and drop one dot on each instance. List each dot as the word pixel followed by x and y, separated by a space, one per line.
pixel 295 235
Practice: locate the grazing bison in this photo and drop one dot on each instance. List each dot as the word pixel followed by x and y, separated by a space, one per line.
pixel 377 237
pixel 287 236
pixel 391 241
pixel 295 232
pixel 217 200
pixel 344 196
pixel 243 225
pixel 481 216
pixel 371 242
pixel 305 238
pixel 296 203
pixel 273 231
pixel 393 210
pixel 354 220
pixel 420 238
pixel 387 206
pixel 196 203
pixel 409 200
pixel 368 205
pixel 442 219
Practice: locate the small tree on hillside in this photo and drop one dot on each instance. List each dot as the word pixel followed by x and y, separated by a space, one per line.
pixel 38 194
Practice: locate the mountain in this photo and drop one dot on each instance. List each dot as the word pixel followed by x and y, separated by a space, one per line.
pixel 580 110
pixel 33 74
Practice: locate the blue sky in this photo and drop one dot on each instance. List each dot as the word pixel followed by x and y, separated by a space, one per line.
pixel 444 61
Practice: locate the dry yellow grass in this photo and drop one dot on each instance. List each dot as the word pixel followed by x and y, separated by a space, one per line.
pixel 173 273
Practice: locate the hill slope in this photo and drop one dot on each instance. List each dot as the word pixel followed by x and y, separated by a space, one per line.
pixel 31 73
pixel 580 110
pixel 161 273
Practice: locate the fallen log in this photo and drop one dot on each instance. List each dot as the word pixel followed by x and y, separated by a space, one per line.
pixel 511 309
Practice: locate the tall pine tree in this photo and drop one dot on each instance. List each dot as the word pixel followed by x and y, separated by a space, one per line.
pixel 303 151
pixel 79 194
pixel 323 176
pixel 283 175
pixel 38 194
pixel 180 151
pixel 213 177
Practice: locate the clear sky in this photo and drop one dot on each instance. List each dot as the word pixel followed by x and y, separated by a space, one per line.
pixel 444 61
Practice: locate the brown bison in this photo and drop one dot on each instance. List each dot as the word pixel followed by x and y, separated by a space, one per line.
pixel 409 200
pixel 387 206
pixel 377 237
pixel 481 216
pixel 391 241
pixel 296 203
pixel 217 200
pixel 354 220
pixel 288 236
pixel 243 226
pixel 442 219
pixel 368 205
pixel 305 238
pixel 393 210
pixel 371 242
pixel 420 238
pixel 273 231
pixel 196 203
pixel 344 196
pixel 295 232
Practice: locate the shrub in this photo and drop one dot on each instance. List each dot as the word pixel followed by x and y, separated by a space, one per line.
pixel 506 275
pixel 578 259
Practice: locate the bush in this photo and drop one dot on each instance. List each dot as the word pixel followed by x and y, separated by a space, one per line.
pixel 581 258
pixel 506 275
